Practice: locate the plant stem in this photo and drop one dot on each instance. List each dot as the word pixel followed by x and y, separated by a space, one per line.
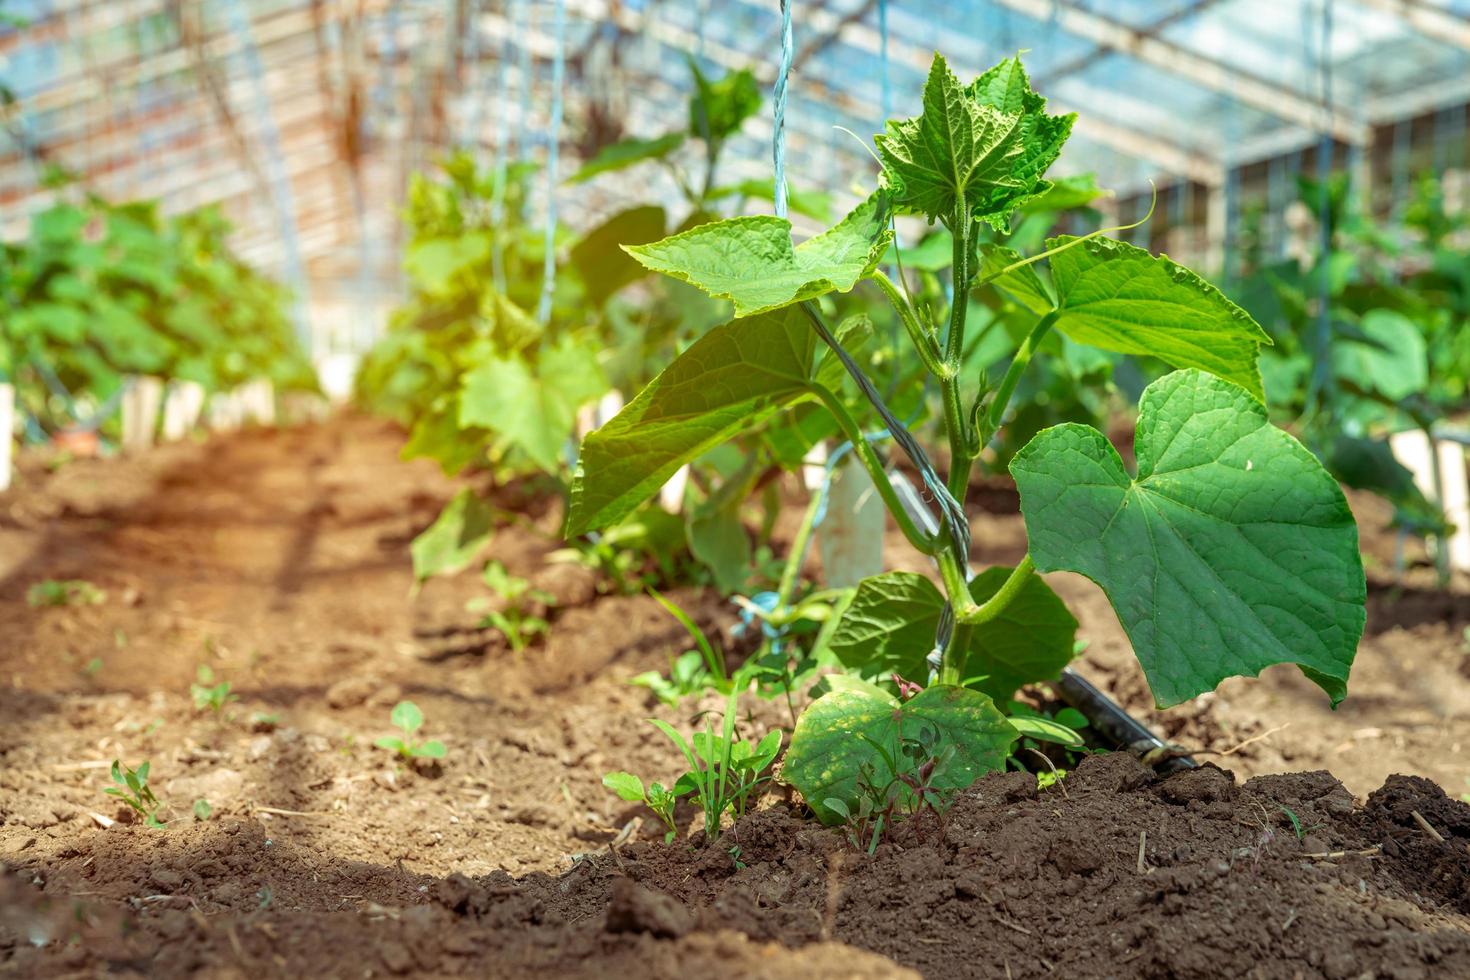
pixel 955 424
pixel 996 604
pixel 791 573
pixel 922 340
pixel 1018 367
pixel 925 543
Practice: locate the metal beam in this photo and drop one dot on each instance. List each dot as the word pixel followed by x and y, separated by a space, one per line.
pixel 1168 155
pixel 1209 73
pixel 1429 20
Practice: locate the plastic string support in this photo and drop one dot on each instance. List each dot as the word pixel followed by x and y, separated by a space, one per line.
pixel 1322 336
pixel 502 156
pixel 778 135
pixel 553 136
pixel 281 198
pixel 954 519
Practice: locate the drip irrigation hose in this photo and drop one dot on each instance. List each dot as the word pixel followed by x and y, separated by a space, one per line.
pixel 1116 726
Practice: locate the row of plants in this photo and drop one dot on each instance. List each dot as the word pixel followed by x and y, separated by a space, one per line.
pixel 1371 335
pixel 99 291
pixel 1226 548
pixel 987 340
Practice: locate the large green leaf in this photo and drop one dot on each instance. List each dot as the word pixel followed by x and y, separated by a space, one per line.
pixel 890 624
pixel 752 262
pixel 1231 550
pixel 1390 358
pixel 1022 284
pixel 1119 297
pixel 989 144
pixel 533 408
pixel 626 153
pixel 599 257
pixel 834 739
pixel 728 381
pixel 455 539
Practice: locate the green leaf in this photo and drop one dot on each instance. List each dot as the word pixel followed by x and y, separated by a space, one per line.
pixel 1120 298
pixel 435 264
pixel 1390 359
pixel 728 381
pixel 1232 549
pixel 390 743
pixel 934 253
pixel 831 741
pixel 1045 730
pixel 989 144
pixel 816 205
pixel 717 109
pixel 890 624
pixel 407 716
pixel 1022 284
pixel 717 538
pixel 534 410
pixel 1068 193
pixel 599 259
pixel 752 262
pixel 455 539
pixel 628 786
pixel 432 749
pixel 626 153
pixel 202 809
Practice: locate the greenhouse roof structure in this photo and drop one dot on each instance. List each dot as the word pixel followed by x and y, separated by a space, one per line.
pixel 302 118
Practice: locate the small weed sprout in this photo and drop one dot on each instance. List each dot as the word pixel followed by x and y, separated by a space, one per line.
pixel 407 717
pixel 131 786
pixel 724 773
pixel 514 620
pixel 69 592
pixel 661 801
pixel 208 694
pixel 202 810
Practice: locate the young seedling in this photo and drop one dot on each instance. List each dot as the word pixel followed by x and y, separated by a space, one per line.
pixel 407 717
pixel 131 786
pixel 513 620
pixel 661 801
pixel 70 592
pixel 202 810
pixel 1227 549
pixel 208 694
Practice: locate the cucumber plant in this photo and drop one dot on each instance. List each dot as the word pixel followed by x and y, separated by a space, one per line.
pixel 1226 549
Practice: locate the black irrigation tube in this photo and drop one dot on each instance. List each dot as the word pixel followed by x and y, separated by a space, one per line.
pixel 1116 726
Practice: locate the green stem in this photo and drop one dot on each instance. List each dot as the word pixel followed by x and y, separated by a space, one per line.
pixel 792 572
pixel 955 423
pixel 1018 367
pixel 922 340
pixel 996 604
pixel 963 231
pixel 925 543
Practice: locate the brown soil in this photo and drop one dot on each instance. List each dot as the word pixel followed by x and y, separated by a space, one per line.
pixel 280 559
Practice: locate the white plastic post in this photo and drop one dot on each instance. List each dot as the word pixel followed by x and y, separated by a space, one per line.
pixel 671 494
pixel 181 408
pixel 1412 449
pixel 259 401
pixel 140 406
pixel 7 433
pixel 335 373
pixel 814 467
pixel 851 535
pixel 590 417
